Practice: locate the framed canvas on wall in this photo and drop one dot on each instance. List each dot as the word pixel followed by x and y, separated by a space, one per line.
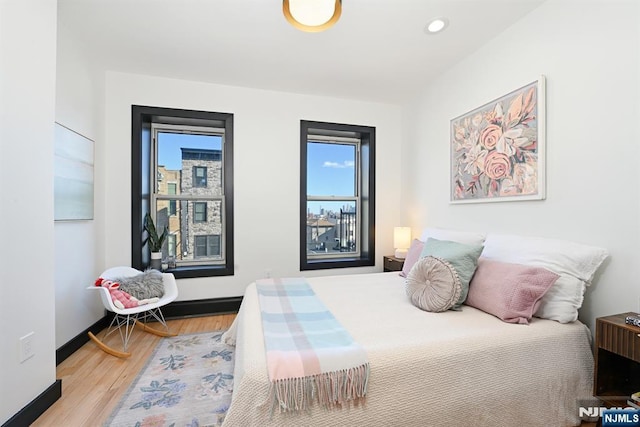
pixel 498 149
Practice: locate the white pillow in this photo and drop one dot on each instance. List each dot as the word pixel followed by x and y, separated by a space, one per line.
pixel 575 263
pixel 563 300
pixel 466 237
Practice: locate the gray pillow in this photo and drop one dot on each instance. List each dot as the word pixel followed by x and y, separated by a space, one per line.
pixel 433 285
pixel 143 286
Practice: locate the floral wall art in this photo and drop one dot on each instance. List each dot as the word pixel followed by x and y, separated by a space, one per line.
pixel 497 150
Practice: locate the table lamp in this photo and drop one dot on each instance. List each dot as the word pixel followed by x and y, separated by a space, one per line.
pixel 401 241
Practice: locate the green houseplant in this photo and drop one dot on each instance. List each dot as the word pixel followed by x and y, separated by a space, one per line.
pixel 154 241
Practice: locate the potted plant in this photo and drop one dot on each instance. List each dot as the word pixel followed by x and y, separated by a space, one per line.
pixel 154 240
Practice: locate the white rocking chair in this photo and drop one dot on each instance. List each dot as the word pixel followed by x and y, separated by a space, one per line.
pixel 125 320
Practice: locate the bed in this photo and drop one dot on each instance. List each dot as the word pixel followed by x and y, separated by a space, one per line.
pixel 455 368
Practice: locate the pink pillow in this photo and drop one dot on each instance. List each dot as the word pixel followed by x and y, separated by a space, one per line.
pixel 511 292
pixel 413 255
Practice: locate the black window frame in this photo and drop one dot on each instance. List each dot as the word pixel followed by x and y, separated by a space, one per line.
pixel 142 117
pixel 367 136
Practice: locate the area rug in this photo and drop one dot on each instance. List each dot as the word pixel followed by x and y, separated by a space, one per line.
pixel 186 382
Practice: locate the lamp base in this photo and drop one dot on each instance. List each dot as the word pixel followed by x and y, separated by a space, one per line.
pixel 401 253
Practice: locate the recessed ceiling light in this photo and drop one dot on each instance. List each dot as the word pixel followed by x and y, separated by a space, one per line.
pixel 436 25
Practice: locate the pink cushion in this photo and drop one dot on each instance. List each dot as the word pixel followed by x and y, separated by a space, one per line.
pixel 413 255
pixel 511 292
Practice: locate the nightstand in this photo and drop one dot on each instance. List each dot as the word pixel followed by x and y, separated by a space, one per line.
pixel 392 263
pixel 617 360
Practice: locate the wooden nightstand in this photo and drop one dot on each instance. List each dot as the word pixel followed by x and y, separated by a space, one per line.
pixel 617 360
pixel 392 263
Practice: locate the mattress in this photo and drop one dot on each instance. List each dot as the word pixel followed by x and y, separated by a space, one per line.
pixel 456 368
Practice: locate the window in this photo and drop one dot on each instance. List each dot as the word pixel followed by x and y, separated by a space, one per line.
pixel 337 195
pixel 171 190
pixel 200 176
pixel 199 212
pixel 207 246
pixel 171 245
pixel 184 164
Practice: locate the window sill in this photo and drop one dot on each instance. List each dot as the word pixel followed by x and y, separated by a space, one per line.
pixel 190 272
pixel 322 264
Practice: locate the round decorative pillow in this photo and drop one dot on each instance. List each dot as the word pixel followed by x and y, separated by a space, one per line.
pixel 433 285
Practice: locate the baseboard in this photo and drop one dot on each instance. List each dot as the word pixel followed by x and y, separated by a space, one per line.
pixel 37 407
pixel 202 307
pixel 78 341
pixel 175 310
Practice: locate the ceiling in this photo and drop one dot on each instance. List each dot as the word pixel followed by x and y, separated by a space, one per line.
pixel 378 51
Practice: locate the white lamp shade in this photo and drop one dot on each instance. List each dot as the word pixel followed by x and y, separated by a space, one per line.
pixel 401 240
pixel 312 15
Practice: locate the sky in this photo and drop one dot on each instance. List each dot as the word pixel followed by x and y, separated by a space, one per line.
pixel 330 172
pixel 169 144
pixel 330 167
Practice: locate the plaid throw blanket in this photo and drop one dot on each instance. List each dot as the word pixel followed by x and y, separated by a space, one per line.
pixel 310 356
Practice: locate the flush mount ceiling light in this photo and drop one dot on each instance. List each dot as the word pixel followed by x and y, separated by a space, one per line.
pixel 312 16
pixel 436 25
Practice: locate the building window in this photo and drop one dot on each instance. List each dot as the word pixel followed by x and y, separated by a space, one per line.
pixel 171 245
pixel 193 153
pixel 172 188
pixel 337 195
pixel 200 176
pixel 207 246
pixel 200 212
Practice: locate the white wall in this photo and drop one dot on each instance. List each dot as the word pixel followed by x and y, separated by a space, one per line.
pixel 592 73
pixel 27 91
pixel 78 253
pixel 266 171
pixel 589 52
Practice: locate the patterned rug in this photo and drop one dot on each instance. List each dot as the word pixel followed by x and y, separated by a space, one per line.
pixel 186 382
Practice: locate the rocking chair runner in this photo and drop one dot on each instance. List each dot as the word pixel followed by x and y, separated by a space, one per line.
pixel 125 320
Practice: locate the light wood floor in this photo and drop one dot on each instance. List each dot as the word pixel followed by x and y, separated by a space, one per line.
pixel 93 381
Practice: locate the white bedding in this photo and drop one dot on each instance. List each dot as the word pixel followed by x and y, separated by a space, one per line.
pixel 457 368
